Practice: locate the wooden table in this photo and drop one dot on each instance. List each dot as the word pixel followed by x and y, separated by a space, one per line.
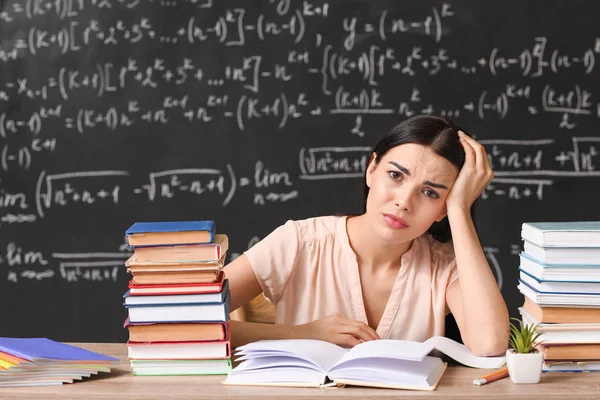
pixel 455 384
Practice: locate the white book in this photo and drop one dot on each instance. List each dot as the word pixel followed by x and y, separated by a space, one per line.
pixel 178 350
pixel 563 333
pixel 559 272
pixel 175 299
pixel 36 382
pixel 553 326
pixel 562 234
pixel 558 300
pixel 204 312
pixel 563 255
pixel 397 364
pixel 570 287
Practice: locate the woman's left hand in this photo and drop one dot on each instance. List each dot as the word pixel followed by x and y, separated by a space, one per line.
pixel 473 177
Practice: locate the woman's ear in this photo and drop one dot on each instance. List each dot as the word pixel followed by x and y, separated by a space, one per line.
pixel 371 169
pixel 442 215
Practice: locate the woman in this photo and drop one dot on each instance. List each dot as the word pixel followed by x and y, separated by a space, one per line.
pixel 390 272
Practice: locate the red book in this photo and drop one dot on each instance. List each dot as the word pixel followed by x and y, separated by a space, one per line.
pixel 185 288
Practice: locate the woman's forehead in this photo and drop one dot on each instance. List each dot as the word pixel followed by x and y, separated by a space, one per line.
pixel 420 159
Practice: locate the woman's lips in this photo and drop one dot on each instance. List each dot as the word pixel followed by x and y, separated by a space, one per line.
pixel 395 222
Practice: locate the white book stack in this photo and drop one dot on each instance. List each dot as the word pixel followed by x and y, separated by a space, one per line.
pixel 559 275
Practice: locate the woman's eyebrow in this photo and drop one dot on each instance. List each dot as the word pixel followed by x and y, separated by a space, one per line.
pixel 400 167
pixel 407 172
pixel 436 185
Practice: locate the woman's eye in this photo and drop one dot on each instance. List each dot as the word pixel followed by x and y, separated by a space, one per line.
pixel 431 193
pixel 395 175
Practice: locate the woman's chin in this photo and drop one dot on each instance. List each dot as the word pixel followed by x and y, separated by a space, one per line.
pixel 391 236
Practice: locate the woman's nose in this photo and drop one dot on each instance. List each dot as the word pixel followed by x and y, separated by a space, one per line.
pixel 405 199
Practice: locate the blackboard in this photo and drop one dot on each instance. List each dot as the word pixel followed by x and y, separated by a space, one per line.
pixel 251 113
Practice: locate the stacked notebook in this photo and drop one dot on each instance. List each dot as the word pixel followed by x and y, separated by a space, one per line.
pixel 560 278
pixel 178 299
pixel 44 362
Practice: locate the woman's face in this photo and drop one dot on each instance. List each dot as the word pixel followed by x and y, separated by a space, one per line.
pixel 407 191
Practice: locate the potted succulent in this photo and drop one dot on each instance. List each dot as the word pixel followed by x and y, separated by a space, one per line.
pixel 523 359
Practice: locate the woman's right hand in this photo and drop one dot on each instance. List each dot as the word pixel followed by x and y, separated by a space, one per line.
pixel 339 330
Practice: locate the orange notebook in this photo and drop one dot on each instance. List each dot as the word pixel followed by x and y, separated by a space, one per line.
pixel 176 277
pixel 11 359
pixel 201 252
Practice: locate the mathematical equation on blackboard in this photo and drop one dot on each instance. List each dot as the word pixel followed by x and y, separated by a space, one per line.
pixel 102 69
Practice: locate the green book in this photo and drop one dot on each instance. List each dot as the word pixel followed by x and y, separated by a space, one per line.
pixel 181 367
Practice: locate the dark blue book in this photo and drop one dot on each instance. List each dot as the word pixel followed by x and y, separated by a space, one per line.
pixel 170 233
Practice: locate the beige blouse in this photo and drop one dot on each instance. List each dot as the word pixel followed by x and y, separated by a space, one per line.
pixel 308 270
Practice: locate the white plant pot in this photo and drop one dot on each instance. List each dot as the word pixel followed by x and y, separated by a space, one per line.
pixel 524 368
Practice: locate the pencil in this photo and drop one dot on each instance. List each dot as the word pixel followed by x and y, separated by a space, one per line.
pixel 494 376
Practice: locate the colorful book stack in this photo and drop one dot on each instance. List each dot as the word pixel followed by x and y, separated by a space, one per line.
pixel 44 362
pixel 560 279
pixel 178 299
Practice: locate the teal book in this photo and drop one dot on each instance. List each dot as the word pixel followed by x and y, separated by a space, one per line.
pixel 562 234
pixel 170 233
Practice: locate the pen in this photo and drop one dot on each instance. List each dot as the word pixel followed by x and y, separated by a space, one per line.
pixel 494 376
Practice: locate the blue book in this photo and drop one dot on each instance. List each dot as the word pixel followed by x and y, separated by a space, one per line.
pixel 562 234
pixel 570 286
pixel 559 272
pixel 42 349
pixel 170 233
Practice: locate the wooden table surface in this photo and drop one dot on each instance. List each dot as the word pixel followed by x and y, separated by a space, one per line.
pixel 455 384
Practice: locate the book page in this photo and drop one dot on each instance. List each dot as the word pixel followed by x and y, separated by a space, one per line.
pixel 322 354
pixel 416 351
pixel 399 374
pixel 261 363
pixel 462 354
pixel 387 348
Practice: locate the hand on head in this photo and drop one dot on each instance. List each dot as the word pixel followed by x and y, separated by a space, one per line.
pixel 473 177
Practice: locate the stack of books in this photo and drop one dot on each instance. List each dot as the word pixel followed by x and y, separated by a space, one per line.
pixel 178 299
pixel 44 362
pixel 560 279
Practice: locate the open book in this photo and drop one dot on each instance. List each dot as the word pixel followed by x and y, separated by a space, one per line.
pixel 396 364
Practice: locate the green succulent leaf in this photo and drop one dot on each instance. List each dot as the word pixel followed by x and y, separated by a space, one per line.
pixel 524 337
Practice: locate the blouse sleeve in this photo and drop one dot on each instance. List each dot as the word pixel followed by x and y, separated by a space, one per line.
pixel 446 270
pixel 273 259
pixel 453 273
